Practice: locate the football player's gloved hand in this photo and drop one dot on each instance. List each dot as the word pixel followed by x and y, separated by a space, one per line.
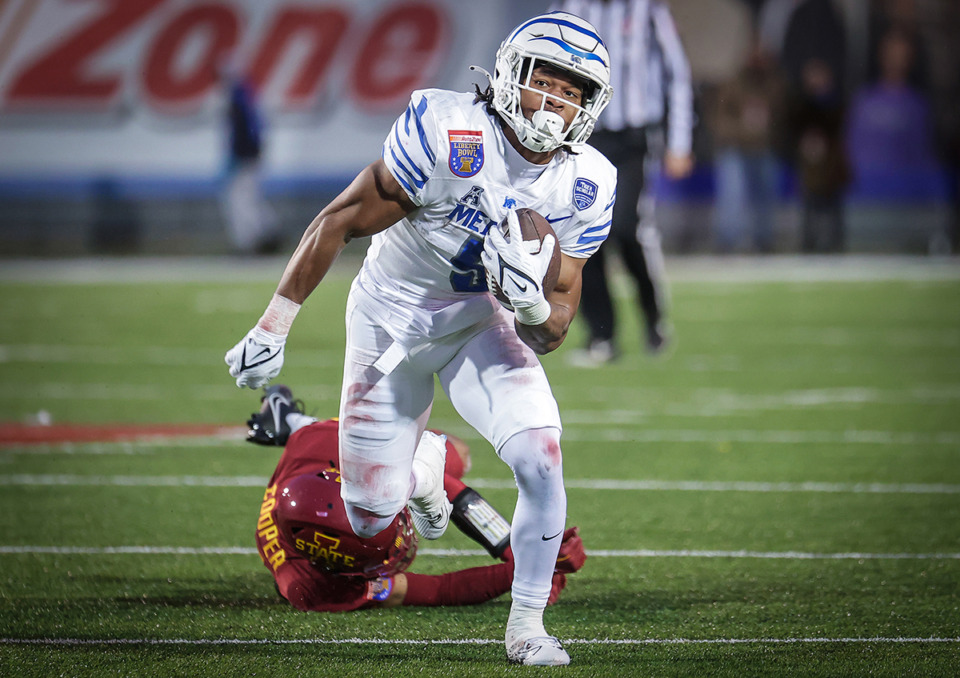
pixel 517 272
pixel 571 556
pixel 257 358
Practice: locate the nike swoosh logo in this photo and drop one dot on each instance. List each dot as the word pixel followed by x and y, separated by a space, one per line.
pixel 544 537
pixel 244 365
pixel 262 351
pixel 521 287
pixel 519 274
pixel 275 401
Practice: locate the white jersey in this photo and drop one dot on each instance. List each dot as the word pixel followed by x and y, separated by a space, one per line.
pixel 422 277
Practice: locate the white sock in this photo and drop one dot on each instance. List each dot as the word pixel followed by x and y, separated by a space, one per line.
pixel 525 621
pixel 538 521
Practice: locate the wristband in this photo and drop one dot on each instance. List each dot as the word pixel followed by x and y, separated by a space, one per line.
pixel 262 336
pixel 537 314
pixel 279 316
pixel 379 589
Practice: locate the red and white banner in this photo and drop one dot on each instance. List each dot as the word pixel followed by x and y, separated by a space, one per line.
pixel 133 87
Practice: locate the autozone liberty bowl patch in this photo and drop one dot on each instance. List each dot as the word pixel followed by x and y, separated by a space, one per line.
pixel 584 193
pixel 466 152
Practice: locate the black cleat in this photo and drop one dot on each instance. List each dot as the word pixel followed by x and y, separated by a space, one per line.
pixel 269 426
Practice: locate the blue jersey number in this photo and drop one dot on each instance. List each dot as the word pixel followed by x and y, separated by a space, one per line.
pixel 470 275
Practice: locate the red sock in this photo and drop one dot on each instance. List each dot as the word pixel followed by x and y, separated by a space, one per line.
pixel 452 486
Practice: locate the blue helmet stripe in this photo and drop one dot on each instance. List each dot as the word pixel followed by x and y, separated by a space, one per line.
pixel 576 52
pixel 557 22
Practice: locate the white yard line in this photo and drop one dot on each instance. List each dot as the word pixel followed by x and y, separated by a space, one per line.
pixel 140 446
pixel 167 356
pixel 163 356
pixel 780 268
pixel 572 432
pixel 708 401
pixel 735 486
pixel 59 390
pixel 26 479
pixel 467 641
pixel 583 433
pixel 458 553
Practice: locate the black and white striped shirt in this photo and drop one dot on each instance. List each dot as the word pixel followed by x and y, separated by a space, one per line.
pixel 649 70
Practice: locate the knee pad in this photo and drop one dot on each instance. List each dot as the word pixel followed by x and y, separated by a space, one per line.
pixel 375 487
pixel 365 523
pixel 534 456
pixel 375 467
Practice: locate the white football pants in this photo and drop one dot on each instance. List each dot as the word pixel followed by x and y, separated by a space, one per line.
pixel 498 386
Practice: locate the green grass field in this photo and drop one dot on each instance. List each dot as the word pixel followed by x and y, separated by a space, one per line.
pixel 779 496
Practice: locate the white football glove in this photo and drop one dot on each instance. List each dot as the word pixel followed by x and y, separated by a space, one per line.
pixel 257 358
pixel 518 272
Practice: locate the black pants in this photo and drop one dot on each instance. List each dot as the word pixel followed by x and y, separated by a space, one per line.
pixel 628 151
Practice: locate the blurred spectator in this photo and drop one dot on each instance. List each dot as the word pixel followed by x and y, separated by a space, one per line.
pixel 816 124
pixel 890 134
pixel 815 31
pixel 813 58
pixel 747 113
pixel 252 225
pixel 902 16
pixel 773 17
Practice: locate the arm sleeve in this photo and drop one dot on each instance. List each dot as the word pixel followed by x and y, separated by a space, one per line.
pixel 590 226
pixel 410 150
pixel 677 79
pixel 588 240
pixel 464 587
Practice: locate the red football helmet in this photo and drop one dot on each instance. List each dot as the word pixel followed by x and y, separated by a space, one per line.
pixel 312 519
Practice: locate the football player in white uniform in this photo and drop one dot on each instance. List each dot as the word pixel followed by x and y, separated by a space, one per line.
pixel 453 167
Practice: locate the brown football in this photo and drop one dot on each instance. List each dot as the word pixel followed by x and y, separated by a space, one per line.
pixel 534 228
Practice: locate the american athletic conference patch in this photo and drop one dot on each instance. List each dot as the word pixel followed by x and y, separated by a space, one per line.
pixel 584 193
pixel 466 152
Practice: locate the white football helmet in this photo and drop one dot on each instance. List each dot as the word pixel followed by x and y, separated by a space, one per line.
pixel 567 42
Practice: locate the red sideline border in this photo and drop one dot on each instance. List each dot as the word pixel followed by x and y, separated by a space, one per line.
pixel 24 434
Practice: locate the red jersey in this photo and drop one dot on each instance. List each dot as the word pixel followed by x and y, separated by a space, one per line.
pixel 312 449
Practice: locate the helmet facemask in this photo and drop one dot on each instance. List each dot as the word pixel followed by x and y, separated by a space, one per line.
pixel 565 43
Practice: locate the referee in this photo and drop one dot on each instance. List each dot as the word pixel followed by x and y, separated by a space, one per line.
pixel 649 118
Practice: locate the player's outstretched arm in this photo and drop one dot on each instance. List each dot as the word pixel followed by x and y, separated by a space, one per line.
pixel 464 587
pixel 480 584
pixel 372 203
pixel 564 302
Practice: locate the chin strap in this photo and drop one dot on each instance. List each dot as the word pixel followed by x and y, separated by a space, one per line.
pixel 485 72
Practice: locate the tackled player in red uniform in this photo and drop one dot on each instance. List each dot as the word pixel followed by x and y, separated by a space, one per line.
pixel 319 564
